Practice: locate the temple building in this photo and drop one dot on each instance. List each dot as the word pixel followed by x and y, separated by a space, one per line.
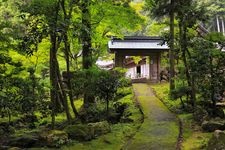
pixel 148 48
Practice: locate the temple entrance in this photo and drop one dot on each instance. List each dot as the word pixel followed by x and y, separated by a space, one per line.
pixel 149 48
pixel 138 71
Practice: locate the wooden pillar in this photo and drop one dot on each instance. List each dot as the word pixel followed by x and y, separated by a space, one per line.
pixel 150 68
pixel 158 66
pixel 154 69
pixel 119 58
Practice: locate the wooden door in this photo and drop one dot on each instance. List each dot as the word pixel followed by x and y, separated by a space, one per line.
pixel 154 68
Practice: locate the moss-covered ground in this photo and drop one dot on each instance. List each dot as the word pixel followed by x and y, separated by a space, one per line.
pixel 119 135
pixel 115 140
pixel 193 137
pixel 160 128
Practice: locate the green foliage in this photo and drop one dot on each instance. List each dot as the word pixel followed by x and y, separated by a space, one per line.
pixel 81 132
pixel 214 7
pixel 136 59
pixel 207 65
pixel 107 85
pixel 78 82
pixel 162 92
pixel 11 24
pixel 36 30
pixel 101 84
pixel 19 94
pixel 124 91
pixel 120 133
pixel 180 92
pixel 192 137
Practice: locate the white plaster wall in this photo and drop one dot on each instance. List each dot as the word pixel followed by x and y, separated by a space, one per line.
pixel 147 71
pixel 132 72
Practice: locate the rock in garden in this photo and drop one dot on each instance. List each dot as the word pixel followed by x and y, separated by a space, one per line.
pixel 86 132
pixel 200 115
pixel 100 128
pixel 217 141
pixel 54 138
pixel 219 112
pixel 24 141
pixel 213 125
pixel 80 132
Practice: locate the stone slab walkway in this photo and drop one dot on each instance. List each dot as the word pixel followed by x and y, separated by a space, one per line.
pixel 160 128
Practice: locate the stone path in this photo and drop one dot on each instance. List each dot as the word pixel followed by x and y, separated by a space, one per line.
pixel 160 128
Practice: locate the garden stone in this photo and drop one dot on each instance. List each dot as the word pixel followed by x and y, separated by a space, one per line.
pixel 100 128
pixel 54 138
pixel 24 141
pixel 217 141
pixel 80 132
pixel 213 125
pixel 200 115
pixel 114 117
pixel 219 112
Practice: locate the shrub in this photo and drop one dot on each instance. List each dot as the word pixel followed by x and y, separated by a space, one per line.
pixel 80 132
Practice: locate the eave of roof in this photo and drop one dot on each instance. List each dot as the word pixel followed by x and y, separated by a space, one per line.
pixel 137 43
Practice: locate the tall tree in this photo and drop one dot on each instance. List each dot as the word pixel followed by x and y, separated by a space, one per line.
pixel 86 45
pixel 160 9
pixel 50 16
pixel 55 78
pixel 86 34
pixel 67 8
pixel 185 20
pixel 171 44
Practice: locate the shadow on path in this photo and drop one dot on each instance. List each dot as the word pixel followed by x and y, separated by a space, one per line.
pixel 160 128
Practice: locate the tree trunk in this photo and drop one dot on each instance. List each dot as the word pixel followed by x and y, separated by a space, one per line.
pixel 184 49
pixel 54 68
pixel 53 77
pixel 212 89
pixel 67 18
pixel 70 92
pixel 86 34
pixel 171 51
pixel 86 46
pixel 63 93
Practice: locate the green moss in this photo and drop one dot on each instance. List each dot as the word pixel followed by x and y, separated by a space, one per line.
pixel 162 92
pixel 119 135
pixel 6 119
pixel 55 138
pixel 160 128
pixel 111 141
pixel 193 138
pixel 127 99
pixel 100 128
pixel 196 140
pixel 80 132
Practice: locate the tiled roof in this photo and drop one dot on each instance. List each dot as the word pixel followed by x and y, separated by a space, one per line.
pixel 138 42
